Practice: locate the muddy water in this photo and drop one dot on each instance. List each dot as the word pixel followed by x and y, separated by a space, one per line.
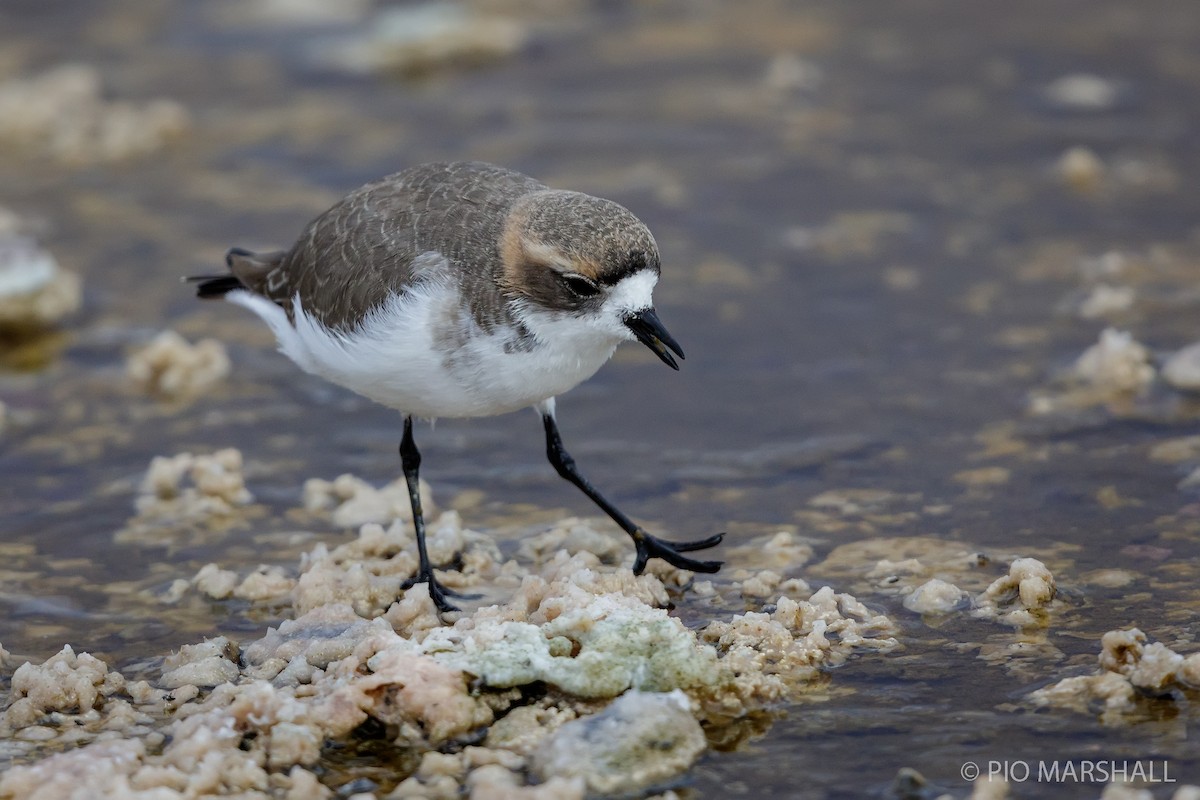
pixel 870 258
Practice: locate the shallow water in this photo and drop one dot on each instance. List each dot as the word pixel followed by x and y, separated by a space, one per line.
pixel 866 258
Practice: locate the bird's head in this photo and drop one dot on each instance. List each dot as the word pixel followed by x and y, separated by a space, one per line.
pixel 567 255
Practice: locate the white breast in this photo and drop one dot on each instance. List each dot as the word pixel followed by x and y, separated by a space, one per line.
pixel 422 353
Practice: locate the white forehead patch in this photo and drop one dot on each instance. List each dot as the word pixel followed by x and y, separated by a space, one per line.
pixel 634 292
pixel 545 254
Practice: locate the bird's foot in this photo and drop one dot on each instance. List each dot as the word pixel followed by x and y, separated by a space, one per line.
pixel 649 547
pixel 438 593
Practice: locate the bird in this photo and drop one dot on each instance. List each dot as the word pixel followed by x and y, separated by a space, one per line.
pixel 464 289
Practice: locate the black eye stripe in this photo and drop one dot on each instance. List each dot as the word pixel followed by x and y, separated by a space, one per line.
pixel 580 285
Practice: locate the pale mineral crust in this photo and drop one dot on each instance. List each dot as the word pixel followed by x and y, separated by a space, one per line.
pixel 210 663
pixel 508 691
pixel 35 292
pixel 188 485
pixel 171 368
pixel 1080 169
pixel 64 682
pixel 935 596
pixel 567 655
pixel 352 502
pixel 1020 597
pixel 1182 369
pixel 1117 362
pixel 1131 669
pixel 425 37
pixel 640 740
pixel 1114 370
pixel 192 491
pixel 63 113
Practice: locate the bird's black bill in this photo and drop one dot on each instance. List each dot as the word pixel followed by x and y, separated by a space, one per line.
pixel 649 330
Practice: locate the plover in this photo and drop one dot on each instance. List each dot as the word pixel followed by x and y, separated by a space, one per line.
pixel 464 290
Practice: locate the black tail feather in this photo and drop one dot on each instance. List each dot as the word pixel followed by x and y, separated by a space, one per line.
pixel 214 285
pixel 252 267
pixel 238 253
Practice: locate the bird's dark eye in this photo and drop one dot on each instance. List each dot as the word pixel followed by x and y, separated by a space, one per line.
pixel 580 285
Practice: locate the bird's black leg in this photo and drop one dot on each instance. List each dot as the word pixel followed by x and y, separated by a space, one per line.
pixel 648 546
pixel 410 462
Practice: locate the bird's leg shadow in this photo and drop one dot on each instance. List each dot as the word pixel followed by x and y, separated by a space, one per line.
pixel 648 546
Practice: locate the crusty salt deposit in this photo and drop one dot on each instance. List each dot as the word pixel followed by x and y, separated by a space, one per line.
pixel 1182 369
pixel 507 692
pixel 585 644
pixel 187 484
pixel 1113 371
pixel 779 551
pixel 305 12
pixel 935 596
pixel 1116 362
pixel 1080 169
pixel 574 535
pixel 766 584
pixel 326 634
pixel 263 584
pixel 1131 669
pixel 934 576
pixel 64 114
pixel 367 572
pixel 352 502
pixel 35 292
pixel 1176 450
pixel 172 368
pixel 1083 91
pixel 210 663
pixel 1104 300
pixel 25 267
pixel 1150 666
pixel 1021 596
pixel 771 654
pixel 419 38
pixel 66 681
pixel 187 490
pixel 640 740
pixel 787 72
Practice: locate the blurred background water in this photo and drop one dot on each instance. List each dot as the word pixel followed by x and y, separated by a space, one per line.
pixel 881 227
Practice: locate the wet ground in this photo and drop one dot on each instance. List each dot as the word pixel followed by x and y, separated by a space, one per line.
pixel 872 257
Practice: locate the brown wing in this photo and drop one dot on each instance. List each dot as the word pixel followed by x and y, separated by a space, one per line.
pixel 353 257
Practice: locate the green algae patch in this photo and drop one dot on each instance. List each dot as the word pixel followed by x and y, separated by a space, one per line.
pixel 599 650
